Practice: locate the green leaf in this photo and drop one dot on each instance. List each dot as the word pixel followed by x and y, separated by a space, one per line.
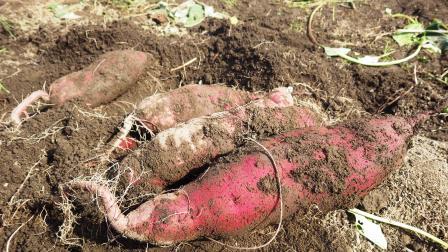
pixel 407 38
pixel 331 51
pixel 62 11
pixel 371 231
pixel 435 36
pixel 436 24
pixel 401 225
pixel 190 13
pixel 432 46
pixel 438 41
pixel 445 110
pixel 195 15
pixel 7 26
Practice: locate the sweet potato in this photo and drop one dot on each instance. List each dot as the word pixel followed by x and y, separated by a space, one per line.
pixel 328 166
pixel 165 110
pixel 101 82
pixel 175 152
pixel 162 111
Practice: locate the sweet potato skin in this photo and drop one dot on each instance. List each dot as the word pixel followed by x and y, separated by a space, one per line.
pixel 102 81
pixel 331 167
pixel 162 111
pixel 175 152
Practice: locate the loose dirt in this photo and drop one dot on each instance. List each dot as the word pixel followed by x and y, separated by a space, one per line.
pixel 268 49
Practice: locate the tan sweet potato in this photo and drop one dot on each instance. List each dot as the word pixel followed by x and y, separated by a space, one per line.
pixel 162 111
pixel 101 82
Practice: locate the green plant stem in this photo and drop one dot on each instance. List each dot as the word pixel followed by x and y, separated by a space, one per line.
pixel 409 18
pixel 444 74
pixel 310 23
pixel 3 88
pixel 439 79
pixel 311 4
pixel 421 31
pixel 387 63
pixel 401 225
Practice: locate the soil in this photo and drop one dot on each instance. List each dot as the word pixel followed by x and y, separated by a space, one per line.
pixel 269 48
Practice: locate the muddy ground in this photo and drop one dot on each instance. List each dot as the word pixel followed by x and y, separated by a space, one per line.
pixel 269 48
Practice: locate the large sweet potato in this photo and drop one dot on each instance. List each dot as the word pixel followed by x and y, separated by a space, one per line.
pixel 331 167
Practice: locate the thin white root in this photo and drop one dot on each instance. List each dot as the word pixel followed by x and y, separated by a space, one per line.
pixel 65 231
pixel 184 65
pixel 13 200
pixel 8 243
pixel 22 107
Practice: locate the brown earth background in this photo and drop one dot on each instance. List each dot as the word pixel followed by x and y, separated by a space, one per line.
pixel 267 49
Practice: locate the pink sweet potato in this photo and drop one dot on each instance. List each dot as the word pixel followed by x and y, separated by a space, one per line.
pixel 175 152
pixel 331 167
pixel 166 110
pixel 162 111
pixel 101 82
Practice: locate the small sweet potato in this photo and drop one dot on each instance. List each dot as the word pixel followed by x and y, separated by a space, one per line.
pixel 101 82
pixel 164 110
pixel 328 166
pixel 175 152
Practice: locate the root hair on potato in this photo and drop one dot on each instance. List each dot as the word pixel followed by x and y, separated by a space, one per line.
pixel 97 66
pixel 100 179
pixel 186 212
pixel 43 220
pixel 130 121
pixel 121 198
pixel 179 246
pixel 8 218
pixel 280 196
